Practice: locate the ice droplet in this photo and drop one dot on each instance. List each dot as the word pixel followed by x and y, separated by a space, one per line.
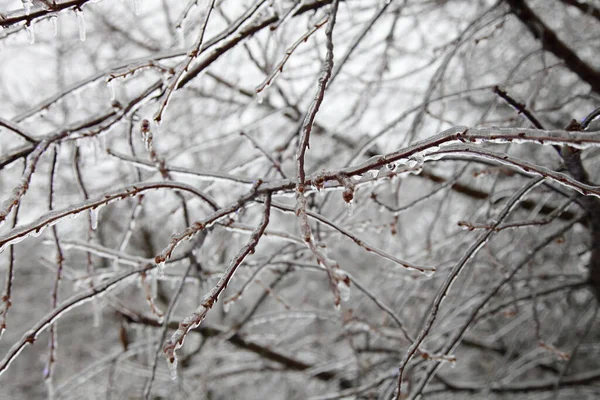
pixel 350 208
pixel 344 290
pixel 80 24
pixel 160 269
pixel 112 89
pixel 54 20
pixel 428 272
pixel 27 4
pixel 259 98
pixel 30 33
pixel 172 365
pixel 94 218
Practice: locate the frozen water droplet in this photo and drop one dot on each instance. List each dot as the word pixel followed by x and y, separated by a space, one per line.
pixel 80 25
pixel 172 364
pixel 350 208
pixel 30 33
pixel 227 306
pixel 94 218
pixel 337 306
pixel 110 84
pixel 181 35
pixel 259 98
pixel 54 20
pixel 27 4
pixel 428 272
pixel 160 269
pixel 344 290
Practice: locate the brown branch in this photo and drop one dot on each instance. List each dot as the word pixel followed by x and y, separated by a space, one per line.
pixel 456 270
pixel 76 300
pixel 584 7
pixel 194 320
pixel 16 17
pixel 238 340
pixel 550 42
pixel 520 107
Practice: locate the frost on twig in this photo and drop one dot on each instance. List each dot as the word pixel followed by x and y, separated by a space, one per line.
pixel 182 69
pixel 303 145
pixel 193 321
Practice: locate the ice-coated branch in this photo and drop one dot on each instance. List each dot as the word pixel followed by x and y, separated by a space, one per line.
pixel 11 126
pixel 303 144
pixel 358 241
pixel 205 223
pixel 523 165
pixel 193 321
pixel 520 107
pixel 74 301
pixel 456 270
pixel 288 53
pixel 19 191
pixel 184 66
pixel 552 43
pixel 27 16
pixel 36 227
pixel 53 339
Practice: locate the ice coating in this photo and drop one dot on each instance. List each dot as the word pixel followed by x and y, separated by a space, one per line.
pixel 80 24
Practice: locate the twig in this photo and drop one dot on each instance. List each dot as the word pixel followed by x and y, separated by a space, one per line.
pixel 279 67
pixel 520 107
pixel 193 321
pixel 307 126
pixel 35 227
pixel 191 56
pixel 167 317
pixel 17 129
pixel 456 270
pixel 74 301
pixel 53 340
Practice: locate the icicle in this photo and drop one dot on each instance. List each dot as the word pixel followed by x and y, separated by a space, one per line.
pixel 94 212
pixel 343 283
pixel 80 24
pixel 160 269
pixel 172 364
pixel 54 20
pixel 350 208
pixel 344 290
pixel 30 32
pixel 27 4
pixel 112 89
